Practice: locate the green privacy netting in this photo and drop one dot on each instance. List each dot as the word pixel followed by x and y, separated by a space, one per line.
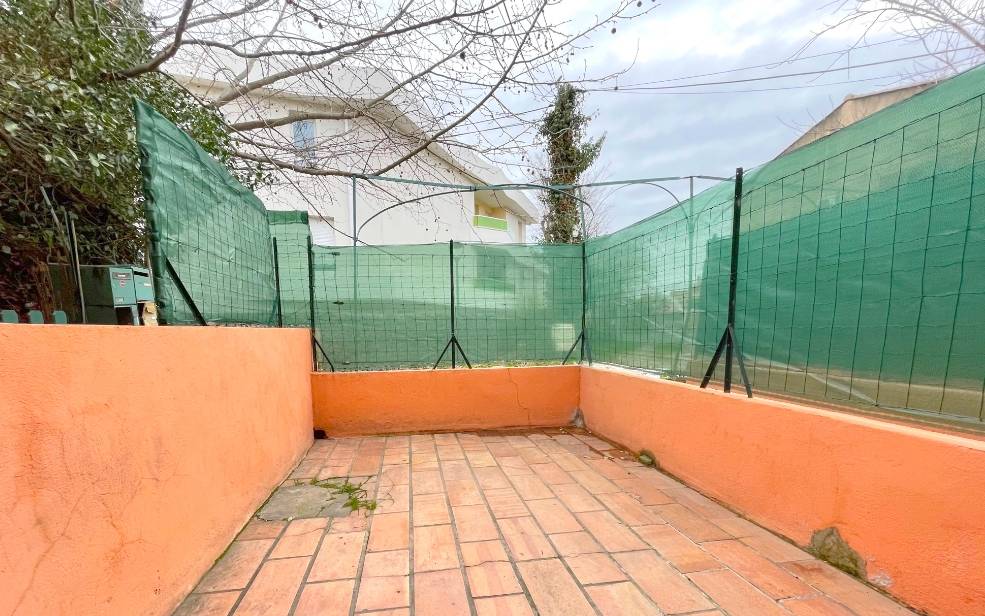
pixel 516 303
pixel 390 306
pixel 861 271
pixel 378 308
pixel 862 259
pixel 290 231
pixel 211 229
pixel 657 288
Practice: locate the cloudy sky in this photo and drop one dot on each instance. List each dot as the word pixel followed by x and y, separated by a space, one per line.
pixel 713 129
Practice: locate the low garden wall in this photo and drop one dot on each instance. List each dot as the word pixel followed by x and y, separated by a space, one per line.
pixel 132 455
pixel 909 500
pixel 420 400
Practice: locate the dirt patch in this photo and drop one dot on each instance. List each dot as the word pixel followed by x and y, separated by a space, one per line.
pixel 828 545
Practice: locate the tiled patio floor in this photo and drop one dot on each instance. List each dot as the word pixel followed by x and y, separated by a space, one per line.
pixel 547 522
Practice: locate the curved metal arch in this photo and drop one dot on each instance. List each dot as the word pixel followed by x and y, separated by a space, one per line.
pixel 491 187
pixel 687 213
pixel 661 187
pixel 414 200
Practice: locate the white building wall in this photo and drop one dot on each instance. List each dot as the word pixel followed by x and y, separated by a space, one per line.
pixel 328 200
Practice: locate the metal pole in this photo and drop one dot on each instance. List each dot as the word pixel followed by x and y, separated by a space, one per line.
pixel 451 271
pixel 355 228
pixel 280 307
pixel 311 304
pixel 584 302
pixel 76 266
pixel 530 185
pixel 355 281
pixel 584 280
pixel 690 265
pixel 733 278
pixel 183 291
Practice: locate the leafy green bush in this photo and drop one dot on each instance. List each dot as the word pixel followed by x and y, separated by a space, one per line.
pixel 67 141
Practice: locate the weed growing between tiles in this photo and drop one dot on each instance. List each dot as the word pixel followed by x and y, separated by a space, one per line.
pixel 355 494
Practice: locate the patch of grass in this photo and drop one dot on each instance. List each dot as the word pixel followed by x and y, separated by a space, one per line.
pixel 355 494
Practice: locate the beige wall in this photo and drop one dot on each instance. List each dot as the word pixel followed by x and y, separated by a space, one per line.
pixel 852 110
pixel 132 455
pixel 437 219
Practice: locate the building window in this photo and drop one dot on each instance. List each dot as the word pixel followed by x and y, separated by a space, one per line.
pixel 489 217
pixel 322 233
pixel 304 141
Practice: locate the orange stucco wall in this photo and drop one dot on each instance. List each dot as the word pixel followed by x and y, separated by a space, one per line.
pixel 406 400
pixel 909 500
pixel 131 456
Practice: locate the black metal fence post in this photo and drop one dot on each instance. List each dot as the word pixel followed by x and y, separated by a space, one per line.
pixel 315 345
pixel 728 341
pixel 280 307
pixel 452 343
pixel 582 337
pixel 584 301
pixel 183 291
pixel 733 277
pixel 311 305
pixel 581 341
pixel 356 312
pixel 451 280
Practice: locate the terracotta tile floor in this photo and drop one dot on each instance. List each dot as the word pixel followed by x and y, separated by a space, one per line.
pixel 550 522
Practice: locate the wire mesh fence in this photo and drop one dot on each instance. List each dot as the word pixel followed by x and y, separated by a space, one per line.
pixel 291 233
pixel 382 308
pixel 657 289
pixel 210 242
pixel 860 271
pixel 517 304
pixel 862 261
pixel 393 306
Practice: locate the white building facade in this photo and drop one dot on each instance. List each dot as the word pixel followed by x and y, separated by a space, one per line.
pixel 336 213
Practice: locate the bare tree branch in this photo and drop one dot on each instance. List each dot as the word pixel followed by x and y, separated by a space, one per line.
pixel 209 19
pixel 161 57
pixel 423 146
pixel 409 86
